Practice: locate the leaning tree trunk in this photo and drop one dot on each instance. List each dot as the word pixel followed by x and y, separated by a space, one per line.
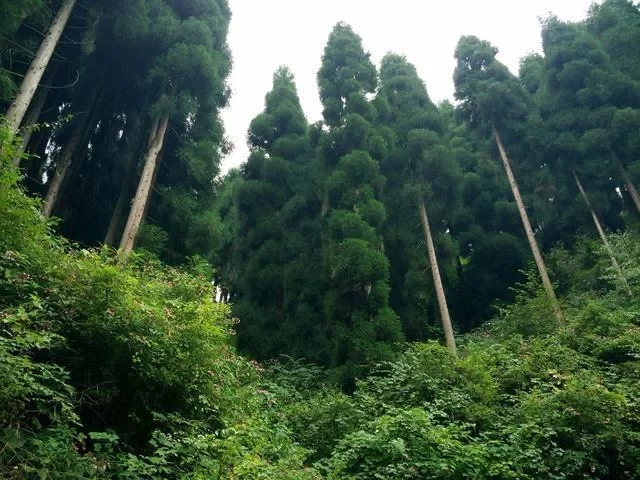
pixel 19 107
pixel 117 218
pixel 62 169
pixel 119 212
pixel 542 269
pixel 81 132
pixel 158 132
pixel 628 183
pixel 600 230
pixel 437 279
pixel 30 120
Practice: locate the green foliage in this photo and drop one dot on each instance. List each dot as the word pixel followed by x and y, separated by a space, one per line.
pixel 122 370
pixel 126 368
pixel 517 403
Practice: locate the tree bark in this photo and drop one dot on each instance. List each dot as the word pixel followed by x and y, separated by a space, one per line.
pixel 119 211
pixel 156 142
pixel 30 120
pixel 19 107
pixel 437 279
pixel 542 269
pixel 80 135
pixel 61 170
pixel 628 183
pixel 600 230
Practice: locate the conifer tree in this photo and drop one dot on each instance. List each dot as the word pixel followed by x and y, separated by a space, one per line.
pixel 584 92
pixel 492 97
pixel 272 206
pixel 419 163
pixel 359 320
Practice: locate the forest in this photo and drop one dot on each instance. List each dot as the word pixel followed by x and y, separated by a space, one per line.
pixel 402 290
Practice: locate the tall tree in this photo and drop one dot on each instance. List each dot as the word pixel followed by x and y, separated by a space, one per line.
pixel 274 208
pixel 616 24
pixel 188 62
pixel 139 204
pixel 492 97
pixel 418 165
pixel 584 94
pixel 357 310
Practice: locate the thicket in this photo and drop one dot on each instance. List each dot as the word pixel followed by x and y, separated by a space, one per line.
pixel 121 370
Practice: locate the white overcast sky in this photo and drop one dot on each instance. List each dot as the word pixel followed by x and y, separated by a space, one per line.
pixel 267 33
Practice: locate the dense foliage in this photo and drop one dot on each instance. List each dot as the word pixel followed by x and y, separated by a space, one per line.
pixel 404 289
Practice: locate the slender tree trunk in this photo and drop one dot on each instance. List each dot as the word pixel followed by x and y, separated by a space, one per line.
pixel 542 269
pixel 30 120
pixel 119 211
pixel 153 182
pixel 117 217
pixel 628 183
pixel 603 236
pixel 437 279
pixel 80 135
pixel 18 108
pixel 136 213
pixel 61 170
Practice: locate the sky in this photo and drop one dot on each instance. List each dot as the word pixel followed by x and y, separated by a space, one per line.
pixel 265 34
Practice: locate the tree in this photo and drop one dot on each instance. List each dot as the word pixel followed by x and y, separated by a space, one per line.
pixel 357 311
pixel 187 82
pixel 584 93
pixel 139 204
pixel 492 97
pixel 616 24
pixel 273 260
pixel 418 164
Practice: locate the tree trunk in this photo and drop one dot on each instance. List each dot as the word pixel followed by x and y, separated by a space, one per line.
pixel 542 269
pixel 33 166
pixel 153 182
pixel 80 135
pixel 30 120
pixel 61 170
pixel 437 280
pixel 628 183
pixel 18 108
pixel 119 211
pixel 156 142
pixel 603 237
pixel 117 217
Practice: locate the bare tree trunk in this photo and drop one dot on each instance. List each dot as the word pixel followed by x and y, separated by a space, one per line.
pixel 117 218
pixel 603 236
pixel 119 211
pixel 33 166
pixel 30 83
pixel 30 120
pixel 61 170
pixel 80 135
pixel 153 182
pixel 542 269
pixel 437 279
pixel 628 183
pixel 136 213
